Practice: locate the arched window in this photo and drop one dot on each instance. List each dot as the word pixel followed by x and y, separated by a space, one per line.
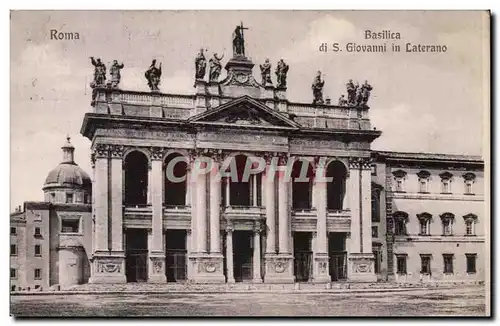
pixel 136 179
pixel 302 180
pixel 175 169
pixel 336 187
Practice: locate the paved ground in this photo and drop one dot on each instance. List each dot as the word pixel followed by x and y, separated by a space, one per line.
pixel 468 301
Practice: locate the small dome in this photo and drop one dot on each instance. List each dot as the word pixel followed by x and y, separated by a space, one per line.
pixel 68 174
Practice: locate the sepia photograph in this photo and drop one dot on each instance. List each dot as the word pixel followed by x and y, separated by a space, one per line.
pixel 266 163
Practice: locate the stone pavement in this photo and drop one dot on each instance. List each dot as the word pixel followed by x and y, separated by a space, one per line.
pixel 186 287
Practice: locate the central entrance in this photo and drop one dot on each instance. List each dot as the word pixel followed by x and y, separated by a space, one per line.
pixel 243 255
pixel 136 256
pixel 302 256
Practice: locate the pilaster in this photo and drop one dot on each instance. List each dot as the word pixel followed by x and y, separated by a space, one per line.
pixel 361 264
pixel 156 270
pixel 321 260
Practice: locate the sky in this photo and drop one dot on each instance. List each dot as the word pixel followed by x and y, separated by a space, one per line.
pixel 431 102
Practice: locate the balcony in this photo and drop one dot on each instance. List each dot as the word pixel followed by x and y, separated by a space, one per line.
pixel 338 214
pixel 304 213
pixel 177 212
pixel 244 212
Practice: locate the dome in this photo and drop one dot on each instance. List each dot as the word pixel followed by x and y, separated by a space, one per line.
pixel 68 173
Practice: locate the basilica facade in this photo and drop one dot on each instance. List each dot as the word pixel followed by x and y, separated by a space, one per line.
pixel 319 205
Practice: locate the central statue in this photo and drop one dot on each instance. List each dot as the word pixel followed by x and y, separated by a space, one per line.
pixel 239 41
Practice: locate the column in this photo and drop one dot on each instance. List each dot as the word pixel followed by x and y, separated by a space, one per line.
pixel 361 259
pixel 354 203
pixel 101 199
pixel 116 199
pixel 188 185
pixel 256 257
pixel 201 213
pixel 269 184
pixel 215 197
pixel 366 212
pixel 229 256
pixel 157 266
pixel 321 270
pixel 228 191
pixel 283 220
pixel 157 205
pixel 194 203
pixel 188 249
pixel 254 189
pixel 149 195
pixel 320 192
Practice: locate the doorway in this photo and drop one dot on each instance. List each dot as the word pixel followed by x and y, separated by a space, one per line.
pixel 302 256
pixel 136 256
pixel 243 255
pixel 338 255
pixel 176 255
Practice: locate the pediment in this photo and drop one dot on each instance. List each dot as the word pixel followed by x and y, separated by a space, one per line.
pixel 244 112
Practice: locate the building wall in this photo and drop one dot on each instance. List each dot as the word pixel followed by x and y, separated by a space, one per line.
pixel 18 261
pixel 37 217
pixel 436 244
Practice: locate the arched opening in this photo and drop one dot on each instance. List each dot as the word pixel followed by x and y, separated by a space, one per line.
pixel 239 189
pixel 302 180
pixel 175 186
pixel 336 186
pixel 136 179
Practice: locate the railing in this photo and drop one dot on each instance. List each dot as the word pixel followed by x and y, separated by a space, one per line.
pixel 335 213
pixel 243 211
pixel 307 213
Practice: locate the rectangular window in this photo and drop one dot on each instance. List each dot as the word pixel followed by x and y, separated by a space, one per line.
pixel 70 225
pixel 401 264
pixel 69 198
pixel 52 197
pixel 447 227
pixel 37 232
pixel 399 227
pixel 469 230
pixel 13 273
pixel 445 186
pixel 38 274
pixel 471 263
pixel 448 263
pixel 423 185
pixel 425 264
pixel 86 199
pixel 13 250
pixel 377 254
pixel 468 187
pixel 374 169
pixel 375 231
pixel 13 231
pixel 38 250
pixel 424 227
pixel 399 184
pixel 13 288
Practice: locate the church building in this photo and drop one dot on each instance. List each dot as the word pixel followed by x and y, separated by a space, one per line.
pixel 236 183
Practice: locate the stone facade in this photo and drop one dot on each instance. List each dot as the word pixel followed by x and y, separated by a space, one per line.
pixel 272 228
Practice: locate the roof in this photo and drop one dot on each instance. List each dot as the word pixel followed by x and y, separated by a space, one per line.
pixel 423 156
pixel 68 174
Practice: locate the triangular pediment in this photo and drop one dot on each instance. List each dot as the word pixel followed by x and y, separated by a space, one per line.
pixel 244 112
